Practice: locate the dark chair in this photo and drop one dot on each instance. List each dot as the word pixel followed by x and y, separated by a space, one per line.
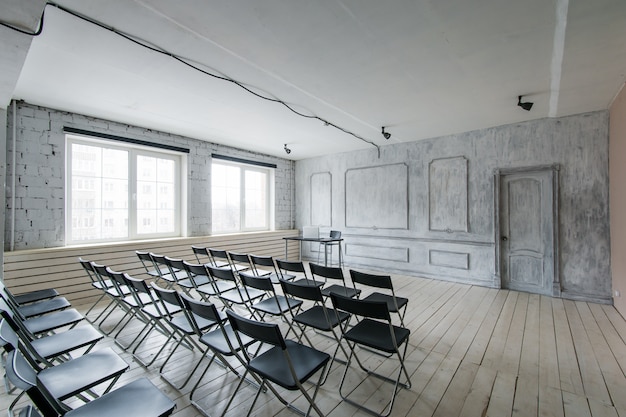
pixel 239 261
pixel 75 378
pixel 329 244
pixel 375 331
pixel 199 274
pixel 300 276
pixel 274 304
pixel 181 276
pixel 238 296
pixel 51 348
pixel 99 284
pixel 221 341
pixel 180 324
pixel 153 315
pixel 116 294
pixel 139 398
pixel 218 258
pixel 201 254
pixel 166 278
pixel 317 317
pixel 394 304
pixel 36 308
pixel 334 274
pixel 152 270
pixel 265 266
pixel 287 363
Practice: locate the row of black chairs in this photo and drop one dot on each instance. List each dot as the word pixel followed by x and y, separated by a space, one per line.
pixel 51 358
pixel 246 283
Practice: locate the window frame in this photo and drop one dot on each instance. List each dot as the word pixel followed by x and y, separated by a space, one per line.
pixel 134 150
pixel 244 167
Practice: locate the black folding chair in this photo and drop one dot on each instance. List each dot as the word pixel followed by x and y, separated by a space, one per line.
pixel 317 317
pixel 139 398
pixel 35 308
pixel 395 304
pixel 265 266
pixel 99 284
pixel 152 270
pixel 54 347
pixel 239 261
pixel 274 304
pixel 335 274
pixel 238 296
pixel 117 294
pixel 75 378
pixel 201 254
pixel 205 285
pixel 287 363
pixel 373 330
pixel 298 267
pixel 221 341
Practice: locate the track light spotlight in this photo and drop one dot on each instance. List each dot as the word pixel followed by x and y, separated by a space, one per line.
pixel 287 150
pixel 386 135
pixel 526 106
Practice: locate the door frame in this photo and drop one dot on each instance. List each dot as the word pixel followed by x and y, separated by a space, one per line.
pixel 554 171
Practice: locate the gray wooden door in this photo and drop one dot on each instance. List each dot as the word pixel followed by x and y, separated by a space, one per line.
pixel 527 231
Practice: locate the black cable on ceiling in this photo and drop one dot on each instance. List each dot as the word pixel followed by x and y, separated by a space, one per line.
pixel 185 62
pixel 22 31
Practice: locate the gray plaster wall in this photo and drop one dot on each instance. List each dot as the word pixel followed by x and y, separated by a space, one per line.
pixel 447 197
pixel 40 174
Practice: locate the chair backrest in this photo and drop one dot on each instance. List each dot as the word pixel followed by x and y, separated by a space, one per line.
pixel 306 292
pixel 93 277
pixel 158 259
pixel 175 265
pixel 146 260
pixel 335 234
pixel 326 271
pixel 369 309
pixel 292 266
pixel 261 331
pixel 137 288
pixel 101 271
pixel 118 280
pixel 200 252
pixel 170 299
pixel 207 311
pixel 241 259
pixel 371 280
pixel 222 273
pixel 218 254
pixel 263 261
pixel 259 282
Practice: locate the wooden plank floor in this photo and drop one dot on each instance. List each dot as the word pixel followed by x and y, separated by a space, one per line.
pixel 473 351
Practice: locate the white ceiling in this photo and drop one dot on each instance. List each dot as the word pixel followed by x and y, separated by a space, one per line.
pixel 421 68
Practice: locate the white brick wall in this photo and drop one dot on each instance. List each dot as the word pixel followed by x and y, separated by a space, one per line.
pixel 40 174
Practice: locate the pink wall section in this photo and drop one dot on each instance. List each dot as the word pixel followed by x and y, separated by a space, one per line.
pixel 617 198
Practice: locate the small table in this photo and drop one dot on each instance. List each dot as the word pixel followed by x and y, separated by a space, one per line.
pixel 321 240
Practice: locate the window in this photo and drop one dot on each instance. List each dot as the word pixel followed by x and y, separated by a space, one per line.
pixel 241 197
pixel 119 192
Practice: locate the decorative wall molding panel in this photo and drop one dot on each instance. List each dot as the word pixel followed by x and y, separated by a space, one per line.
pixel 377 252
pixel 447 192
pixel 321 199
pixel 448 259
pixel 377 197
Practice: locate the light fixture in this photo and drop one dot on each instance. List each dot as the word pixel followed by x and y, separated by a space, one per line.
pixel 386 135
pixel 526 105
pixel 287 150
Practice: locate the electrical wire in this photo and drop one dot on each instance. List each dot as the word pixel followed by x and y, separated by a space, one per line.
pixel 186 62
pixel 24 32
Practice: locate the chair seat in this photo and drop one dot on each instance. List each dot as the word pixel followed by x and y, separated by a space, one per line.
pixel 198 279
pixel 215 340
pixel 277 305
pixel 70 378
pixel 314 317
pixel 61 343
pixel 387 299
pixel 182 323
pixel 36 295
pixel 113 292
pixel 222 286
pixel 139 398
pixel 99 285
pixel 43 307
pixel 339 289
pixel 48 322
pixel 236 297
pixel 272 364
pixel 375 334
